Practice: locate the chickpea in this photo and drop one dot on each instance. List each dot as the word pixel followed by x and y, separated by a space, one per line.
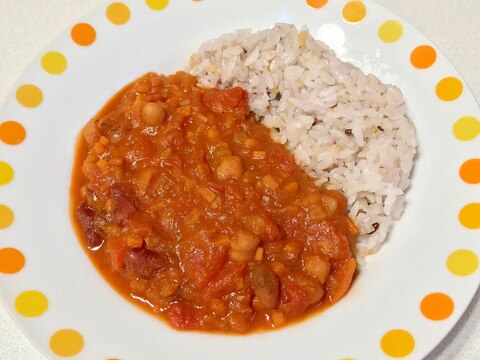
pixel 153 114
pixel 317 266
pixel 243 245
pixel 330 204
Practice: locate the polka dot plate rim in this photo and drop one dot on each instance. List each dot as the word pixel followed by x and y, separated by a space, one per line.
pixel 392 311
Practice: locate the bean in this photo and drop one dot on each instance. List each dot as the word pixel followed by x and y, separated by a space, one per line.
pixel 86 217
pixel 125 205
pixel 244 241
pixel 144 263
pixel 153 114
pixel 243 245
pixel 265 285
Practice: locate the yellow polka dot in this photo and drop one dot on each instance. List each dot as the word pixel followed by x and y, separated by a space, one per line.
pixel 54 63
pixel 462 262
pixel 466 128
pixel 157 4
pixel 397 343
pixel 390 31
pixel 6 173
pixel 449 89
pixel 66 342
pixel 118 13
pixel 29 96
pixel 31 303
pixel 6 216
pixel 354 11
pixel 469 216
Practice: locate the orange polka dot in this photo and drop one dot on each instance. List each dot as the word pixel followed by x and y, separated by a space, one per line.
pixel 66 343
pixel 317 4
pixel 469 216
pixel 12 133
pixel 470 171
pixel 83 34
pixel 449 89
pixel 397 343
pixel 424 56
pixel 354 11
pixel 29 95
pixel 6 216
pixel 11 261
pixel 437 306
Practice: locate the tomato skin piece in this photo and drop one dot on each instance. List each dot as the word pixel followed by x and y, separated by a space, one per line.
pixel 183 317
pixel 201 264
pixel 222 101
pixel 340 279
pixel 325 237
pixel 294 299
pixel 117 249
pixel 201 259
pixel 223 282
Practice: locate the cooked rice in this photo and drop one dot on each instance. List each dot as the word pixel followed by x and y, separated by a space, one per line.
pixel 348 129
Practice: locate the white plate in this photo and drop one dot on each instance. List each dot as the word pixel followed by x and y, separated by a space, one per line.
pixel 431 249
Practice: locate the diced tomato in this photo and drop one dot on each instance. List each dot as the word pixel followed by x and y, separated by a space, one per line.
pixel 221 101
pixel 117 249
pixel 201 259
pixel 340 279
pixel 203 263
pixel 295 299
pixel 225 281
pixel 183 317
pixel 173 162
pixel 324 237
pixel 216 188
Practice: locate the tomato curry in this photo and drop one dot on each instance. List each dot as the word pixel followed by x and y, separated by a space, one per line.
pixel 186 204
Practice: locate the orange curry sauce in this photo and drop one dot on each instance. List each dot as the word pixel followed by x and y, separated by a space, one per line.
pixel 186 205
